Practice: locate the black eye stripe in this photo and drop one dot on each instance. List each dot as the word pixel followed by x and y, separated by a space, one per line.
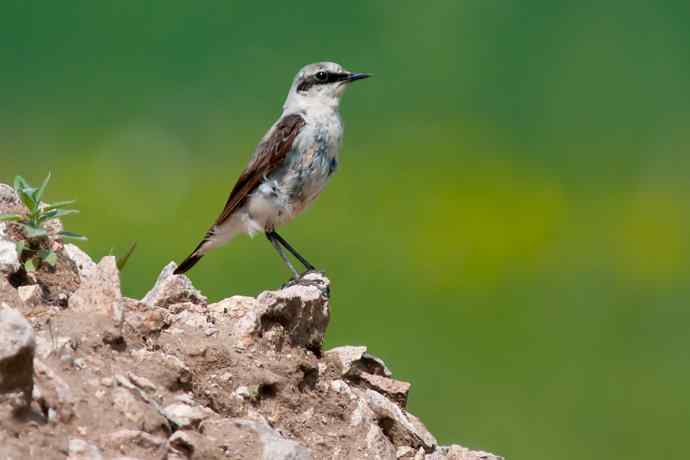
pixel 312 80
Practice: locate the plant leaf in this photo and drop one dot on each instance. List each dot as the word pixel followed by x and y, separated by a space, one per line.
pixel 55 213
pixel 39 193
pixel 30 266
pixel 59 204
pixel 20 183
pixel 72 235
pixel 26 196
pixel 11 217
pixel 33 232
pixel 48 257
pixel 20 245
pixel 122 261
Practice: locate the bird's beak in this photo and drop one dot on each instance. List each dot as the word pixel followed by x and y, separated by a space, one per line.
pixel 357 76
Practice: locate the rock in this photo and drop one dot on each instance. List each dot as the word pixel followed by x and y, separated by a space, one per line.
pixel 365 369
pixel 171 289
pixel 9 200
pixel 9 259
pixel 378 445
pixel 128 437
pixel 17 347
pixel 138 412
pixel 456 452
pixel 99 295
pixel 404 452
pixel 354 360
pixel 171 371
pixel 189 445
pixel 296 315
pixel 81 259
pixel 274 446
pixel 56 396
pixel 81 450
pixel 186 416
pixel 9 295
pixel 31 295
pixel 142 382
pixel 402 428
pixel 396 390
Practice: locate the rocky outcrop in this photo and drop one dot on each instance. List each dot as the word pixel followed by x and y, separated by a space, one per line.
pixel 171 376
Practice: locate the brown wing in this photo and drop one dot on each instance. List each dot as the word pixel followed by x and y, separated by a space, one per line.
pixel 270 153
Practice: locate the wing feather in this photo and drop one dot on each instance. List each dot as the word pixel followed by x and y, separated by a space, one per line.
pixel 269 154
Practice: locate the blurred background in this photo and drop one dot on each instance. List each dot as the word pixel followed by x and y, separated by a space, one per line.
pixel 509 226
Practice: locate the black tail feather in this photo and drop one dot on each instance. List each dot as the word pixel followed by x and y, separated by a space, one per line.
pixel 188 263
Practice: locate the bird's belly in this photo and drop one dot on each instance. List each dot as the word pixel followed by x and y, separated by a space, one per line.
pixel 298 182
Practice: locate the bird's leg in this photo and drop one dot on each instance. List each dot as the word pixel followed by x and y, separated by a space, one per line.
pixel 272 238
pixel 292 250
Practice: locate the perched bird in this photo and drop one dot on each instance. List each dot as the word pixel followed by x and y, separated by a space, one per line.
pixel 290 166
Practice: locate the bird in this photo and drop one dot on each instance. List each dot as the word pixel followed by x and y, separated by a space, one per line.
pixel 290 166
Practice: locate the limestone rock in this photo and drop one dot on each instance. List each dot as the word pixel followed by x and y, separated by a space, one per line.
pixel 81 259
pixel 186 415
pixel 55 395
pixel 456 452
pixel 274 446
pixel 353 360
pixel 297 315
pixel 17 347
pixel 81 450
pixel 9 260
pixel 402 428
pixel 10 296
pixel 172 289
pixel 9 201
pixel 31 295
pixel 99 295
pixel 395 390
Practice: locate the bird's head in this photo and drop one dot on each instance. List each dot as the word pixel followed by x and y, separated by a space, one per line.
pixel 320 84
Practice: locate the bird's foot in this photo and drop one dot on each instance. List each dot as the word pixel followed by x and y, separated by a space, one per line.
pixel 307 282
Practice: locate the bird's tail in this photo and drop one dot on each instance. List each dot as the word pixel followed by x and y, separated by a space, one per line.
pixel 193 258
pixel 188 263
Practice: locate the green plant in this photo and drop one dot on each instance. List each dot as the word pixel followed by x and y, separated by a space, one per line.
pixel 36 248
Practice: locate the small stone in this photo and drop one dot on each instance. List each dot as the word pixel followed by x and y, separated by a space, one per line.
pixel 395 390
pixel 17 348
pixel 377 444
pixel 184 415
pixel 83 262
pixel 186 443
pixel 142 382
pixel 406 429
pixel 354 360
pixel 172 289
pixel 276 447
pixel 9 260
pixel 404 452
pixel 56 394
pixel 31 295
pixel 129 437
pixel 99 295
pixel 82 450
pixel 457 452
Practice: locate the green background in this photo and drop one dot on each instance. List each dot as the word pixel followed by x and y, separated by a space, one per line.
pixel 509 226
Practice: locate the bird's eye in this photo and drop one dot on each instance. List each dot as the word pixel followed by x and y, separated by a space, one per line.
pixel 321 76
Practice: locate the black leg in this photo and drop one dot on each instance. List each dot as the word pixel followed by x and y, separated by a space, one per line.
pixel 271 236
pixel 287 246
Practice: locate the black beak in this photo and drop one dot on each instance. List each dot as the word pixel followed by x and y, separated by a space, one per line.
pixel 357 76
